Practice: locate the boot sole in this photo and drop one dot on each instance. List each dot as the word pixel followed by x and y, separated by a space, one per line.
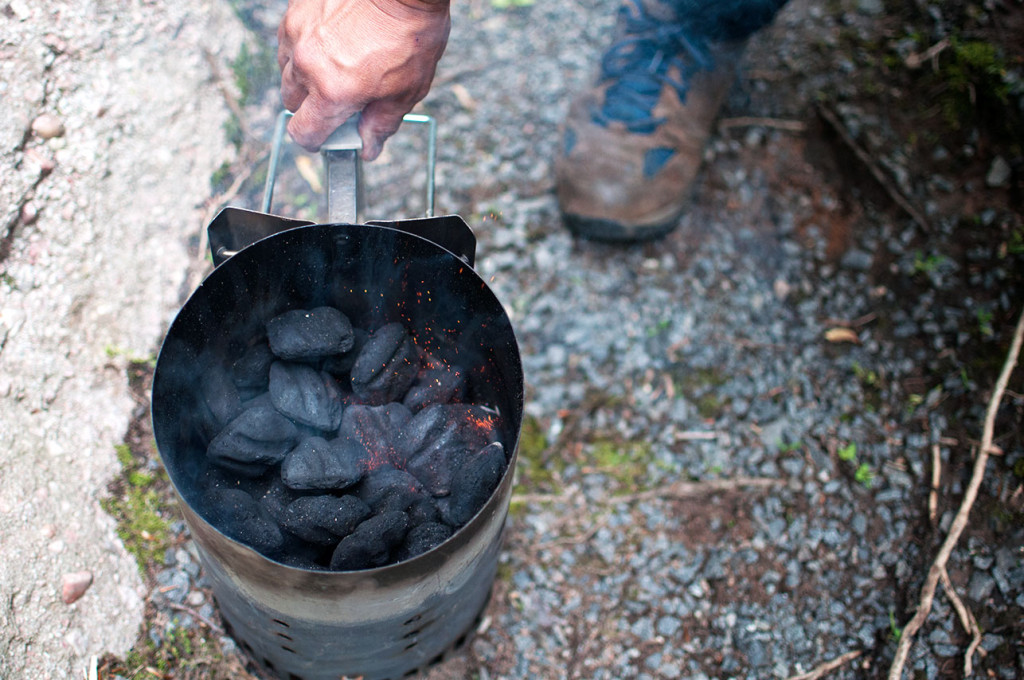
pixel 596 229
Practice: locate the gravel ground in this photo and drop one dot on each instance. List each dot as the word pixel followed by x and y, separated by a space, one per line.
pixel 711 483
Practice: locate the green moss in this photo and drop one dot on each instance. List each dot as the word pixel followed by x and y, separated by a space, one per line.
pixel 254 69
pixel 137 506
pixel 625 462
pixel 536 466
pixel 700 387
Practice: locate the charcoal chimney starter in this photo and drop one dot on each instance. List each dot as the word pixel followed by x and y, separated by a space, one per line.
pixel 381 623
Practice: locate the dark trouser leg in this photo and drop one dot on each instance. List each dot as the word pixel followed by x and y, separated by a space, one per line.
pixel 725 20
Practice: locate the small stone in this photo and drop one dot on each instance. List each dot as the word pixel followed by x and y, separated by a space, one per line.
pixel 999 172
pixel 47 126
pixel 870 7
pixel 29 213
pixel 74 585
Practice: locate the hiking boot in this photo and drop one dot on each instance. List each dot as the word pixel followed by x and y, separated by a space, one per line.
pixel 633 143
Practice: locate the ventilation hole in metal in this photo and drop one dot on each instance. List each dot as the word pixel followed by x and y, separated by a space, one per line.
pixel 281 623
pixel 411 633
pixel 411 673
pixel 436 660
pixel 411 645
pixel 288 649
pixel 246 646
pixel 285 636
pixel 292 676
pixel 269 664
pixel 461 641
pixel 413 620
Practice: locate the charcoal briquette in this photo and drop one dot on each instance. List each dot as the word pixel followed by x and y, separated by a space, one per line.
pixel 239 516
pixel 257 439
pixel 275 498
pixel 436 383
pixel 371 543
pixel 381 482
pixel 306 395
pixel 423 509
pixel 219 401
pixel 251 370
pixel 378 430
pixel 439 437
pixel 301 334
pixel 386 366
pixel 324 520
pixel 472 484
pixel 422 538
pixel 318 464
pixel 339 365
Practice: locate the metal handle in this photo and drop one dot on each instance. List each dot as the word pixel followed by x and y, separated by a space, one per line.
pixel 343 167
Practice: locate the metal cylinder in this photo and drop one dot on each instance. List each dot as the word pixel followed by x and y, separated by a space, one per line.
pixel 383 623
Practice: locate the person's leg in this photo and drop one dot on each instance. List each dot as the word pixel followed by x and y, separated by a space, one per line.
pixel 633 143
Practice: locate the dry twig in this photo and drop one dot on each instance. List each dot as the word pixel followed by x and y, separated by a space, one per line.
pixel 967 620
pixel 196 615
pixel 874 168
pixel 750 121
pixel 690 489
pixel 917 59
pixel 960 521
pixel 827 667
pixel 933 494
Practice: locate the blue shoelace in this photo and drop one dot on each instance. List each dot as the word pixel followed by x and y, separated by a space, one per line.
pixel 638 67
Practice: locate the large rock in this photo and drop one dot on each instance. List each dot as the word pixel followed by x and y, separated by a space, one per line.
pixel 94 224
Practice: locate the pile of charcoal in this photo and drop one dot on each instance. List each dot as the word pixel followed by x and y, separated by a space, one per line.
pixel 331 447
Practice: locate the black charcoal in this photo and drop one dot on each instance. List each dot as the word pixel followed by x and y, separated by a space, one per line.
pixel 257 439
pixel 251 371
pixel 472 484
pixel 379 483
pixel 439 437
pixel 318 464
pixel 306 395
pixel 437 383
pixel 423 509
pixel 371 543
pixel 339 365
pixel 324 520
pixel 301 334
pixel 219 403
pixel 239 516
pixel 422 538
pixel 386 366
pixel 275 497
pixel 378 430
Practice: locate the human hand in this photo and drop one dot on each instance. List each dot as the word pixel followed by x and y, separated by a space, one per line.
pixel 340 57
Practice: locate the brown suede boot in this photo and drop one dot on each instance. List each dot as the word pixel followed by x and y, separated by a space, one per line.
pixel 633 143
